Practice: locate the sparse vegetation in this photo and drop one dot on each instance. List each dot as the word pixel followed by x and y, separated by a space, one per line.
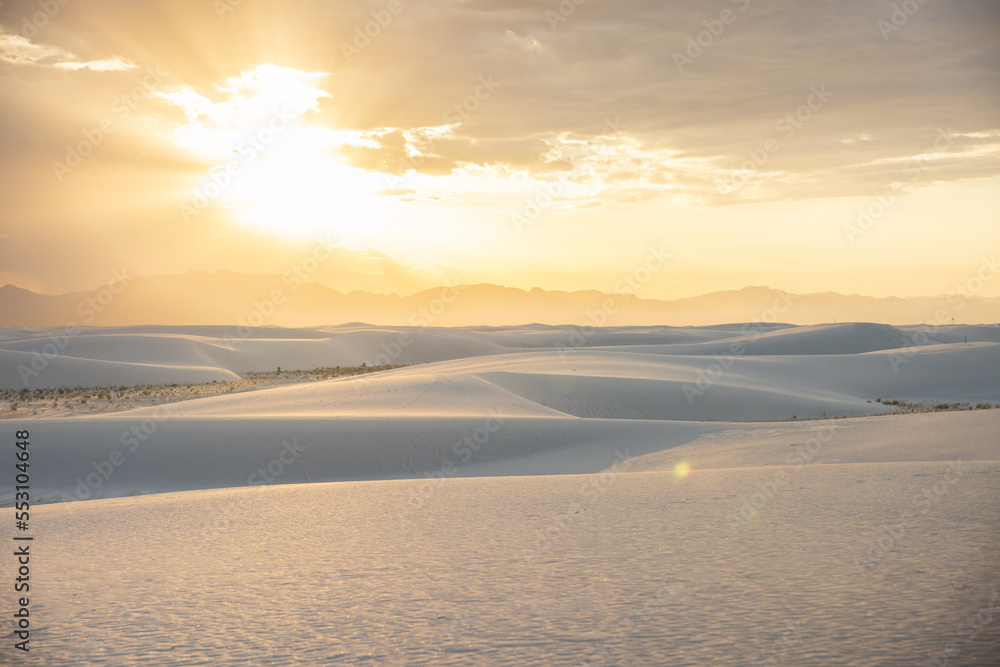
pixel 45 403
pixel 902 407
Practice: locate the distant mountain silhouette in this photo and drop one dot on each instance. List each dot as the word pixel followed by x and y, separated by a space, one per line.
pixel 225 297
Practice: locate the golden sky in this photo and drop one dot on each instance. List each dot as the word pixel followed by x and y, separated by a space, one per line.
pixel 808 146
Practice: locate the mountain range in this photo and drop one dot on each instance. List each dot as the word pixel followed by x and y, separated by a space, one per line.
pixel 229 298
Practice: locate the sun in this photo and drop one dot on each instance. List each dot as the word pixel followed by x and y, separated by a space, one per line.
pixel 297 185
pixel 270 163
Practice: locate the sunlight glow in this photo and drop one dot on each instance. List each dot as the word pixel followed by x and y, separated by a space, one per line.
pixel 272 169
pixel 299 186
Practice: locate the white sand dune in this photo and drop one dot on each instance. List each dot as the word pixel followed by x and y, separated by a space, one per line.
pixel 57 356
pixel 21 370
pixel 53 359
pixel 503 571
pixel 539 495
pixel 619 383
pixel 862 541
pixel 410 421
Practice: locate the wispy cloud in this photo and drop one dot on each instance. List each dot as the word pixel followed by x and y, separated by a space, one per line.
pixel 219 117
pixel 18 50
pixel 108 65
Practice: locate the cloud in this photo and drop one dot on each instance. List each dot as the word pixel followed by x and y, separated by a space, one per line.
pixel 218 118
pixel 694 128
pixel 109 65
pixel 384 125
pixel 18 50
pixel 617 60
pixel 255 94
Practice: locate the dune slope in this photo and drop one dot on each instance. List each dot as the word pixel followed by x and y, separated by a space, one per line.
pixel 523 495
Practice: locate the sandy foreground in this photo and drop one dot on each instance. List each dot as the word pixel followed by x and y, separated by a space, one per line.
pixel 529 495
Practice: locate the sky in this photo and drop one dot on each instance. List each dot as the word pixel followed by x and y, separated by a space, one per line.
pixel 807 146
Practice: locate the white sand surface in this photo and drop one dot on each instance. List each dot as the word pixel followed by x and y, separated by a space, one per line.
pixel 523 495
